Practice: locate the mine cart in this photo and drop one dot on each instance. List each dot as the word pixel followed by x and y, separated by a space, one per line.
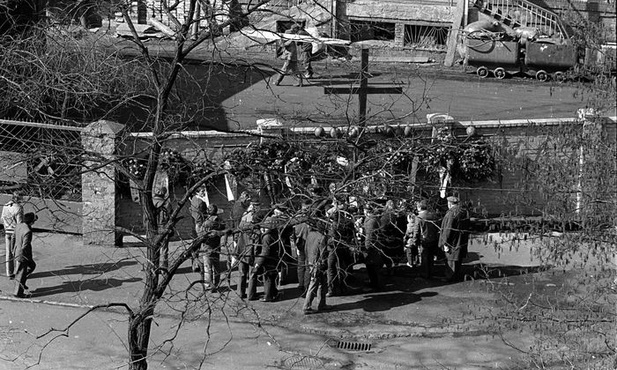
pixel 548 60
pixel 499 57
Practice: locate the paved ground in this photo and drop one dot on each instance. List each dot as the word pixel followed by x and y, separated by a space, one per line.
pixel 413 323
pixel 236 95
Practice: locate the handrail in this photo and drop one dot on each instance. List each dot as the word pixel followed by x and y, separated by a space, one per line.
pixel 525 13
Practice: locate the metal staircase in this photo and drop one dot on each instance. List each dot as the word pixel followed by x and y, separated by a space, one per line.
pixel 522 13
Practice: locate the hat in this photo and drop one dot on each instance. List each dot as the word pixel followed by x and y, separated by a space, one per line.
pixel 271 222
pixel 255 199
pixel 452 199
pixel 30 218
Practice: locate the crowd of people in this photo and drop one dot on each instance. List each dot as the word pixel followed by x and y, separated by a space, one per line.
pixel 324 237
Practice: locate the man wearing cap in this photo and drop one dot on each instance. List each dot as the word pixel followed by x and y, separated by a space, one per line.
pixel 23 253
pixel 267 260
pixel 12 215
pixel 454 238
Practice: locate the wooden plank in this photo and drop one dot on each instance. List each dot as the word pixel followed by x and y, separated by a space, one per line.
pixel 369 90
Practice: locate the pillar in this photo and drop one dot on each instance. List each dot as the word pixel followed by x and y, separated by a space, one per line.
pixel 99 183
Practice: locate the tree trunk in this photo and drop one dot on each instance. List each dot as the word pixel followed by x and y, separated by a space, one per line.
pixel 139 337
pixel 141 323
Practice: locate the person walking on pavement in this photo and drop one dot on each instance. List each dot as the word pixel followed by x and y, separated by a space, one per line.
pixel 306 52
pixel 162 205
pixel 212 228
pixel 454 238
pixel 317 258
pixel 290 55
pixel 12 215
pixel 25 264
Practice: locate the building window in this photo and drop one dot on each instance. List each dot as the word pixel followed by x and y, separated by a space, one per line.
pixel 366 30
pixel 284 25
pixel 426 36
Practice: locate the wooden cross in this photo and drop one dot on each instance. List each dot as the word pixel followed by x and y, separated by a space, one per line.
pixel 363 90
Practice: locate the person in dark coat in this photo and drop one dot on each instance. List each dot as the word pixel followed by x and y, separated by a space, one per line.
pixel 162 206
pixel 391 237
pixel 267 259
pixel 424 237
pixel 371 250
pixel 25 264
pixel 317 258
pixel 454 238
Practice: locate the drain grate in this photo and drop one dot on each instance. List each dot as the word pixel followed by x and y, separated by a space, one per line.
pixel 353 346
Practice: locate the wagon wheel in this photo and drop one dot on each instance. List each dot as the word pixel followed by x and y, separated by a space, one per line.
pixel 541 75
pixel 482 72
pixel 559 76
pixel 500 73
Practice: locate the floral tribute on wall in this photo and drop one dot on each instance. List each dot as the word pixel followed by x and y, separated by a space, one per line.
pixel 371 168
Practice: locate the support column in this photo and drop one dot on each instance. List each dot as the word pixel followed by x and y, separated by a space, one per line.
pixel 99 183
pixel 399 34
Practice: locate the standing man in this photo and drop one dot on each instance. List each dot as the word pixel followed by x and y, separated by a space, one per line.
pixel 290 56
pixel 454 238
pixel 372 251
pixel 244 252
pixel 212 228
pixel 298 243
pixel 12 215
pixel 23 253
pixel 267 260
pixel 317 257
pixel 424 237
pixel 198 209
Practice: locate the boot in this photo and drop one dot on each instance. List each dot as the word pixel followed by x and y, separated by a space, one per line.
pixel 278 80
